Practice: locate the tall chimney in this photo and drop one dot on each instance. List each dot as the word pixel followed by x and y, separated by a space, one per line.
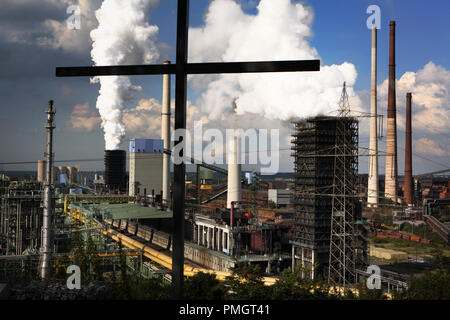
pixel 408 185
pixel 234 172
pixel 390 189
pixel 165 135
pixel 372 188
pixel 46 249
pixel 234 167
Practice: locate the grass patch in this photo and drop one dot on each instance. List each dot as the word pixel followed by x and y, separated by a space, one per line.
pixel 410 247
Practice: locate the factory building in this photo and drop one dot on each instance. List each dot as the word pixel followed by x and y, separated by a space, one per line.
pixel 280 197
pixel 20 219
pixel 60 174
pixel 146 166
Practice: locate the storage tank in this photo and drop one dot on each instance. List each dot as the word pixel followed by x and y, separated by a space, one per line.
pixel 115 162
pixel 41 171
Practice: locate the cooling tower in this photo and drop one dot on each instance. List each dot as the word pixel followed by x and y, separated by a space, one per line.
pixel 372 187
pixel 115 162
pixel 390 188
pixel 408 184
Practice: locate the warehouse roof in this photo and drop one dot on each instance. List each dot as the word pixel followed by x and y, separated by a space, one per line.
pixel 133 211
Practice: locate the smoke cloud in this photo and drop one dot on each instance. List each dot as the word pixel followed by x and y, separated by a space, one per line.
pixel 123 36
pixel 279 31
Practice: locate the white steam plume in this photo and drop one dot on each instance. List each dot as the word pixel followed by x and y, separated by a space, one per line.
pixel 279 31
pixel 123 36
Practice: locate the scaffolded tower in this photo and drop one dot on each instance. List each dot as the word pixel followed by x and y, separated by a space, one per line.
pixel 313 142
pixel 343 241
pixel 327 211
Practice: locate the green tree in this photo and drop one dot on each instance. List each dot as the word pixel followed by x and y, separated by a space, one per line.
pixel 369 294
pixel 432 285
pixel 204 286
pixel 123 286
pixel 246 283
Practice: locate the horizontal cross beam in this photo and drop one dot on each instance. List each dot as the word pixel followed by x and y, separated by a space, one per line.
pixel 192 68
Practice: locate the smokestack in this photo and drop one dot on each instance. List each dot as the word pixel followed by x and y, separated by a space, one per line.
pixel 372 188
pixel 47 227
pixel 408 185
pixel 391 139
pixel 234 173
pixel 234 168
pixel 165 134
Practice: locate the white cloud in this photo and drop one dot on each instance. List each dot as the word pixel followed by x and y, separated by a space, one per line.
pixel 84 119
pixel 52 32
pixel 279 31
pixel 430 147
pixel 430 88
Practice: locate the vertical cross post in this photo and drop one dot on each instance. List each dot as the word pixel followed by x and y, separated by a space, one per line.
pixel 180 169
pixel 181 69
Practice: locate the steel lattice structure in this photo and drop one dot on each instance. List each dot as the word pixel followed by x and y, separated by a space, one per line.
pixel 344 214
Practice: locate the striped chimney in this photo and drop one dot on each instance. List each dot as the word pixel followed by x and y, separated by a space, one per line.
pixel 390 188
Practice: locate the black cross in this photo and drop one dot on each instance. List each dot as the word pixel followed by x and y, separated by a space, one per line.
pixel 181 69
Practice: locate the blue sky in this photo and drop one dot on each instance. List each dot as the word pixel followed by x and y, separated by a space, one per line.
pixel 340 34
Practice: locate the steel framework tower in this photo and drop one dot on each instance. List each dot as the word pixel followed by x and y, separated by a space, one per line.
pixel 342 259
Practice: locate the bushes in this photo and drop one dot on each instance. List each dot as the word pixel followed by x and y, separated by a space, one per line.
pixel 432 285
pixel 204 286
pixel 246 283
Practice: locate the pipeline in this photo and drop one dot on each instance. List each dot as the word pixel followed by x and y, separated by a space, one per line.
pixel 166 261
pixel 158 257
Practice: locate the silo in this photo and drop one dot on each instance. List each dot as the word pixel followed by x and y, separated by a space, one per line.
pixel 41 171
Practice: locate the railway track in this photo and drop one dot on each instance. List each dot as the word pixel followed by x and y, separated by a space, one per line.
pixel 437 227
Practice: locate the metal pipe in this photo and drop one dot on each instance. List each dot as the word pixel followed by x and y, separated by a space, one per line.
pixel 372 187
pixel 232 213
pixel 408 183
pixel 165 134
pixel 391 139
pixel 46 238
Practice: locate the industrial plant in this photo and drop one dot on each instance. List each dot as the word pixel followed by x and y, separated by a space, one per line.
pixel 325 219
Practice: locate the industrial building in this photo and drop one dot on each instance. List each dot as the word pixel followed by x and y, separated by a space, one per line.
pixel 312 145
pixel 61 174
pixel 146 166
pixel 20 219
pixel 280 197
pixel 328 239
